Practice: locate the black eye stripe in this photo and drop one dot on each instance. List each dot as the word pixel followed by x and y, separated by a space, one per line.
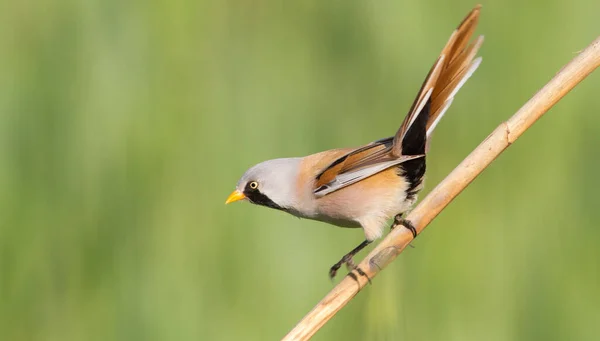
pixel 255 196
pixel 258 198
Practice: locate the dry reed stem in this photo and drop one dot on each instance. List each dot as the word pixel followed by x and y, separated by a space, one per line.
pixel 502 137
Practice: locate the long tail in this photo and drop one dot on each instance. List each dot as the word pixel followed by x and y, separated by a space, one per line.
pixel 451 70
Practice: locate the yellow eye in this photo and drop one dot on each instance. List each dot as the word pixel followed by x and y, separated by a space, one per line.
pixel 254 185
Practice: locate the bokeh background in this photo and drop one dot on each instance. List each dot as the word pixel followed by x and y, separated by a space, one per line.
pixel 124 125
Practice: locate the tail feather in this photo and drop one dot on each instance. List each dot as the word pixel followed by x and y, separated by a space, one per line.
pixel 451 70
pixel 452 79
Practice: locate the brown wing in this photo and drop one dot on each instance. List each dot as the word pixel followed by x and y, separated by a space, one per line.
pixel 373 152
pixel 449 72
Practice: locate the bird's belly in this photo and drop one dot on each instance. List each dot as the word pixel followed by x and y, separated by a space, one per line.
pixel 369 202
pixel 337 220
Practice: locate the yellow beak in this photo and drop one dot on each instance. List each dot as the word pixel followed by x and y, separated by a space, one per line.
pixel 235 196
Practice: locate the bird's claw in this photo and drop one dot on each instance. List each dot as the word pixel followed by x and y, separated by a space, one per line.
pixel 398 220
pixel 349 261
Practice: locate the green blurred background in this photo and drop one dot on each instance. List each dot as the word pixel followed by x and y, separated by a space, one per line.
pixel 124 125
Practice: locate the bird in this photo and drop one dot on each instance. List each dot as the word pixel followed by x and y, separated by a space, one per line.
pixel 365 187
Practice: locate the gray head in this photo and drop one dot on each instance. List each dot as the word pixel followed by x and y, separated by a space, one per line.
pixel 271 183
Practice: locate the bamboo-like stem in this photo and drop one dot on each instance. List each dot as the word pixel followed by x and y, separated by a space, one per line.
pixel 502 137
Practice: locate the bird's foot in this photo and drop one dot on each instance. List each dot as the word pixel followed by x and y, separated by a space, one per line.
pixel 398 220
pixel 349 261
pixel 350 265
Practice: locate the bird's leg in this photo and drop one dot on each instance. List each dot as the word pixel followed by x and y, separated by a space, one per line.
pixel 347 259
pixel 398 220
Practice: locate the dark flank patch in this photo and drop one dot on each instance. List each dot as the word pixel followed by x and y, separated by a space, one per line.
pixel 414 144
pixel 258 198
pixel 413 172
